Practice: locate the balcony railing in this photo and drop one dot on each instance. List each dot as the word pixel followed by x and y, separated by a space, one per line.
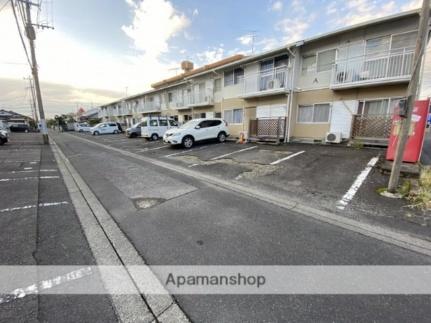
pixel 367 69
pixel 201 98
pixel 269 82
pixel 152 106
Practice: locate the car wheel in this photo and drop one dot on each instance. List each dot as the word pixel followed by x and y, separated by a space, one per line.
pixel 115 132
pixel 2 142
pixel 154 137
pixel 133 135
pixel 188 142
pixel 80 130
pixel 221 137
pixel 96 133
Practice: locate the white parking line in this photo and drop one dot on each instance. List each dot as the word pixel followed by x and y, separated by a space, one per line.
pixel 165 146
pixel 27 178
pixel 234 152
pixel 46 284
pixel 341 204
pixel 32 171
pixel 20 161
pixel 186 151
pixel 32 206
pixel 287 158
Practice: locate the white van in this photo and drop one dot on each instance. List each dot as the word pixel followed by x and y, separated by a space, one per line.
pixel 155 128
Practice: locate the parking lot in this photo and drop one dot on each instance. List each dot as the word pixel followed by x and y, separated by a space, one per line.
pixel 321 175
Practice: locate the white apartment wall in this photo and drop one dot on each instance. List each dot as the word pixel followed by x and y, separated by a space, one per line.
pixel 322 80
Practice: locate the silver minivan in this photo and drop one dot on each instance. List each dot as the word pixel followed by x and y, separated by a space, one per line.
pixel 155 128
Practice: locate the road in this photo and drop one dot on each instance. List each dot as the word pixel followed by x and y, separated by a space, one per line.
pixel 197 223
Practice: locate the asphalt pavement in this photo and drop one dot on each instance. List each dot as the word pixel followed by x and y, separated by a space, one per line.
pixel 196 223
pixel 39 227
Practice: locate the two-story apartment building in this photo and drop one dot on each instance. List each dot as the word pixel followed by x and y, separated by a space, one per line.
pixel 345 82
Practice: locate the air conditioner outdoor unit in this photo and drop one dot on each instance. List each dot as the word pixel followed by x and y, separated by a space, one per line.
pixel 333 137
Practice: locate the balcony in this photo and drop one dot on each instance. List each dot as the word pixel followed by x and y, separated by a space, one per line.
pixel 152 106
pixel 265 83
pixel 395 67
pixel 201 98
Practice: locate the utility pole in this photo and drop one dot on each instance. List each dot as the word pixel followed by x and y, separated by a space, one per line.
pixel 31 35
pixel 412 94
pixel 33 100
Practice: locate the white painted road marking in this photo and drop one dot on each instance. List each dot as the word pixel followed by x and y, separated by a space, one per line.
pixel 19 161
pixel 186 151
pixel 34 170
pixel 341 204
pixel 27 178
pixel 234 152
pixel 18 208
pixel 46 284
pixel 165 146
pixel 287 158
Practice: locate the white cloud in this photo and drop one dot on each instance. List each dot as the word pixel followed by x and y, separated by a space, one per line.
pixel 293 29
pixel 155 22
pixel 413 4
pixel 268 43
pixel 63 59
pixel 195 12
pixel 245 40
pixel 277 6
pixel 332 8
pixel 356 11
pixel 211 55
pixel 298 6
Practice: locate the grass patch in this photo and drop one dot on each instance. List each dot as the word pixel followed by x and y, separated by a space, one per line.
pixel 357 144
pixel 421 197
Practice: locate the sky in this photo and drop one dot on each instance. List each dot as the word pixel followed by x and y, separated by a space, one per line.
pixel 101 50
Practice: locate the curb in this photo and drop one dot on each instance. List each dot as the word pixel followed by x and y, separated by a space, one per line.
pixel 111 247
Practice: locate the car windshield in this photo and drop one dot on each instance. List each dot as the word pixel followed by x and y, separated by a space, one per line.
pixel 98 125
pixel 190 124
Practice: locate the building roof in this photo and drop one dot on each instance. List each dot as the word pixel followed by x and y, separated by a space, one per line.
pixel 199 70
pixel 11 114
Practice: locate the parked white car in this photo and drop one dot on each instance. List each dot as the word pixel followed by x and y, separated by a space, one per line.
pixel 155 128
pixel 82 127
pixel 105 128
pixel 197 130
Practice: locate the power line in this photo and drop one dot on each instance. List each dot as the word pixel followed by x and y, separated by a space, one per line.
pixel 20 34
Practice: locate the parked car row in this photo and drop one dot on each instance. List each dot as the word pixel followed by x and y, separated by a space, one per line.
pixel 167 128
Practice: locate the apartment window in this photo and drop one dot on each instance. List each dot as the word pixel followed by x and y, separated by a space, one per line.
pixel 280 61
pixel 217 115
pixel 233 116
pixel 378 107
pixel 217 85
pixel 315 113
pixel 308 64
pixel 376 47
pixel 233 77
pixel 402 41
pixel 325 60
pixel 170 97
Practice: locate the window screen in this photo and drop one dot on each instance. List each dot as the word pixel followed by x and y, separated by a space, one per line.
pixel 308 64
pixel 321 112
pixel 228 78
pixel 305 113
pixel 325 60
